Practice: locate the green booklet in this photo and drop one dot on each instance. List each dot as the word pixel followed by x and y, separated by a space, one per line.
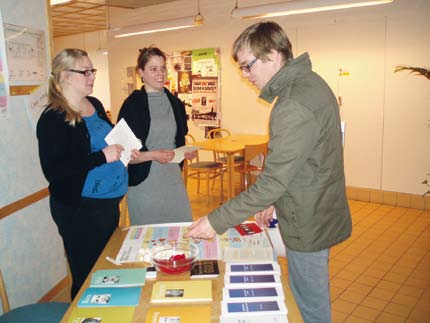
pixel 108 297
pixel 127 277
pixel 102 315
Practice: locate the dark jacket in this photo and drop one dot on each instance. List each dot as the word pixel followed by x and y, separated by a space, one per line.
pixel 303 174
pixel 65 153
pixel 135 111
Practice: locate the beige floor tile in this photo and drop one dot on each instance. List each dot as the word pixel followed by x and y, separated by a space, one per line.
pixel 342 306
pixel 385 284
pixel 355 319
pixel 410 291
pixel 375 303
pixel 352 296
pixel 366 312
pixel 367 280
pixel 382 294
pixel 389 318
pixel 338 317
pixel 396 278
pixel 347 275
pixel 416 282
pixel 398 309
pixel 335 292
pixel 340 282
pixel 420 315
pixel 405 300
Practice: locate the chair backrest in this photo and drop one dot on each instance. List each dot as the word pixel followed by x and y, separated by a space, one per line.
pixel 218 133
pixel 252 151
pixel 189 140
pixel 3 295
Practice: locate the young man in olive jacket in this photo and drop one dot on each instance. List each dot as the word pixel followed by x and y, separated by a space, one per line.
pixel 303 177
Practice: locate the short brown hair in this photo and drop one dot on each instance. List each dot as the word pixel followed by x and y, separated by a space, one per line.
pixel 145 54
pixel 263 37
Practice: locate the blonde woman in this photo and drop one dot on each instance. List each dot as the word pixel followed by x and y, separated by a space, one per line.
pixel 86 178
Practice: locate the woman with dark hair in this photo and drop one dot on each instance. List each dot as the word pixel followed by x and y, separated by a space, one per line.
pixel 157 193
pixel 86 178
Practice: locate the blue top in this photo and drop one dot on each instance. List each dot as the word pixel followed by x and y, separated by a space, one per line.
pixel 109 180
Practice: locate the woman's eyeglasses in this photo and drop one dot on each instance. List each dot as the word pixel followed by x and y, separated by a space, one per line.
pixel 85 72
pixel 247 68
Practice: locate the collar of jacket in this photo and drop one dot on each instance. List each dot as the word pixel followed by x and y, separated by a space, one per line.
pixel 283 78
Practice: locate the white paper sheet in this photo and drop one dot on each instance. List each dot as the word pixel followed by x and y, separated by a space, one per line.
pixel 122 134
pixel 180 153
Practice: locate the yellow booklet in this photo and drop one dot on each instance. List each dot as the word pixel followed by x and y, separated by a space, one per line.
pixel 182 291
pixel 101 314
pixel 183 314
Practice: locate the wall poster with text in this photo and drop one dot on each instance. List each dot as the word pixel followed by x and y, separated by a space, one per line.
pixel 194 76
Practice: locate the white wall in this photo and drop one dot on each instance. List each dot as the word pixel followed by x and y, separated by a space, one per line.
pixel 387 143
pixel 31 251
pixel 91 42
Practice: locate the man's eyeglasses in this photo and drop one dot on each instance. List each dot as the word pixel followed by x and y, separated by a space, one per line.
pixel 85 72
pixel 247 67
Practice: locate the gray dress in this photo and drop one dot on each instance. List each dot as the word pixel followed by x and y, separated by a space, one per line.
pixel 161 197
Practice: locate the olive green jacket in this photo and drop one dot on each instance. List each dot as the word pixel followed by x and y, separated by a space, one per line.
pixel 303 174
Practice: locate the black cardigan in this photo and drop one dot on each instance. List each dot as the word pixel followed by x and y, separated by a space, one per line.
pixel 65 153
pixel 135 111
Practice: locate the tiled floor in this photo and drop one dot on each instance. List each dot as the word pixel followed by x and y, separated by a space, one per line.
pixel 382 272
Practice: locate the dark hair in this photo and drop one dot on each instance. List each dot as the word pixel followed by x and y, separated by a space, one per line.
pixel 263 37
pixel 145 54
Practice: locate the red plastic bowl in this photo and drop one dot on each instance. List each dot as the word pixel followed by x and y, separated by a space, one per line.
pixel 174 258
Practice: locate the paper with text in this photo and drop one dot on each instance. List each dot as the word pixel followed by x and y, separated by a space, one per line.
pixel 180 153
pixel 122 135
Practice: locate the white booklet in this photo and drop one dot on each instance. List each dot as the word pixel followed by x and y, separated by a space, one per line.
pixel 275 318
pixel 180 153
pixel 122 135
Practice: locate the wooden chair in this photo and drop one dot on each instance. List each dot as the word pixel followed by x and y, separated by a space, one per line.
pixel 246 168
pixel 50 312
pixel 220 157
pixel 124 219
pixel 203 170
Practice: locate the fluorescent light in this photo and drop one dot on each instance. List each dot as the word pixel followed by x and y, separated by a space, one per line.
pixel 302 6
pixel 153 27
pixel 55 2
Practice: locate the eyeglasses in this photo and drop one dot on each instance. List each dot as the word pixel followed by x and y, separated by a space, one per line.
pixel 87 73
pixel 247 67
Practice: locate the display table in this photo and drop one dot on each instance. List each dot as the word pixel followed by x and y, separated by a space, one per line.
pixel 111 250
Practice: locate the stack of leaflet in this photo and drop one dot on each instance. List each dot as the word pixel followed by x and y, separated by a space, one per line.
pixel 253 294
pixel 111 297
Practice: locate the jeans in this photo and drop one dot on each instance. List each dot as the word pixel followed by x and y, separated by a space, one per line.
pixel 309 282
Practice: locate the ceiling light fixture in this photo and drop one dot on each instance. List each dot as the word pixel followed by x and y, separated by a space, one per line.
pixel 298 7
pixel 55 2
pixel 153 27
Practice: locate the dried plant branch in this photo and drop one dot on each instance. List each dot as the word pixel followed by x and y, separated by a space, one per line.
pixel 414 70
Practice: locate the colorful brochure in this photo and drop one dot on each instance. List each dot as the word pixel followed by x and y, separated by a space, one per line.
pixel 128 277
pixel 182 291
pixel 106 297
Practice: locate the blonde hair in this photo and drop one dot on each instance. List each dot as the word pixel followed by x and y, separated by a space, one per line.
pixel 65 60
pixel 263 37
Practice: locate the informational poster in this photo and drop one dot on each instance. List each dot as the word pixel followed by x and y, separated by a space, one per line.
pixel 205 98
pixel 194 77
pixel 26 53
